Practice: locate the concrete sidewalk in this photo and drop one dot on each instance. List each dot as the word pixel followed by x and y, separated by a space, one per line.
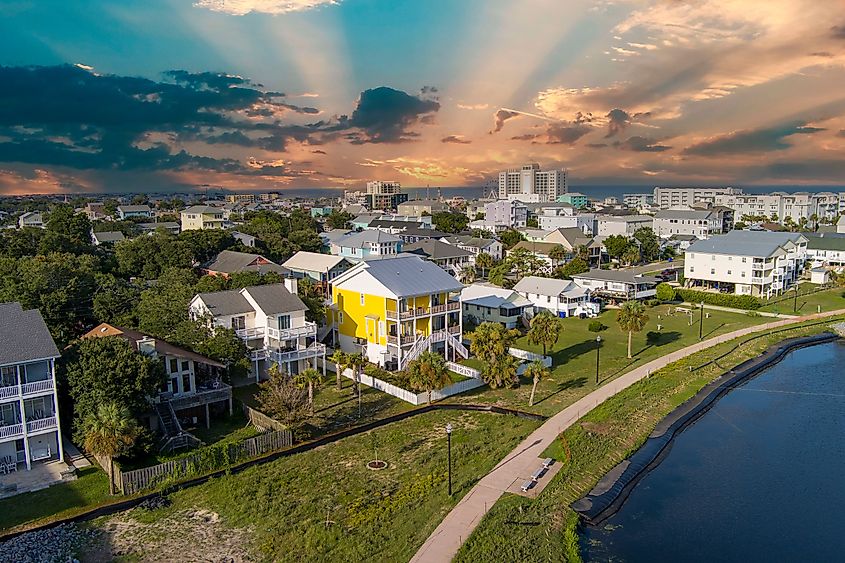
pixel 443 544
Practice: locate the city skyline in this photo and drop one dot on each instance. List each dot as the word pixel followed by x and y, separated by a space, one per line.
pixel 275 94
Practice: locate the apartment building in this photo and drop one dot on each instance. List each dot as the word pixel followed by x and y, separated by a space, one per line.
pixel 418 207
pixel 241 198
pixel 625 225
pixel 617 285
pixel 666 198
pixel 393 309
pixel 551 218
pixel 562 298
pixel 29 413
pixel 510 214
pixel 698 223
pixel 777 206
pixel 638 201
pixel 758 263
pixel 530 184
pixel 270 319
pixel 575 199
pixel 199 217
pixel 384 195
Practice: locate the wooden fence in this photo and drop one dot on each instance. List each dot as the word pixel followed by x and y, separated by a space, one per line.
pixel 261 421
pixel 205 460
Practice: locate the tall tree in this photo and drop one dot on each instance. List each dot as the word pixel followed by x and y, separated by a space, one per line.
pixel 557 254
pixel 545 330
pixel 490 344
pixel 617 245
pixel 356 362
pixel 511 237
pixel 428 372
pixel 109 431
pixel 164 305
pixel 449 222
pixel 572 268
pixel 631 318
pixel 339 219
pixel 283 400
pixel 536 372
pixel 649 243
pixel 66 231
pixel 467 274
pixel 96 371
pixel 340 360
pixel 484 261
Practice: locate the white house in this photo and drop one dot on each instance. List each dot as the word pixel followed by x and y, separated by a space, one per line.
pixel 29 405
pixel 562 298
pixel 617 285
pixel 106 237
pixel 133 211
pixel 270 319
pixel 826 249
pixel 200 217
pixel 625 225
pixel 485 302
pixel 507 213
pixel 696 222
pixel 31 219
pixel 321 268
pixel 759 263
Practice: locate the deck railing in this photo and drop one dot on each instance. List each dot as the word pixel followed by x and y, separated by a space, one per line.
pixel 46 423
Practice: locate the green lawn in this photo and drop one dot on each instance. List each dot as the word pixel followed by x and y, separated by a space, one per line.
pixel 574 355
pixel 63 499
pixel 545 529
pixel 829 300
pixel 372 515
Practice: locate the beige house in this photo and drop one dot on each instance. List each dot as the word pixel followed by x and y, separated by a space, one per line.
pixel 199 217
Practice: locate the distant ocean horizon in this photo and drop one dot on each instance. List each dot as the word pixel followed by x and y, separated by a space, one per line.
pixel 595 191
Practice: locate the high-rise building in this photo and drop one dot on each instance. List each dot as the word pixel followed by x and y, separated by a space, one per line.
pixel 384 195
pixel 531 185
pixel 666 198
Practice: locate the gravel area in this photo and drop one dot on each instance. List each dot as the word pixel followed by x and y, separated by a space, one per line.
pixel 61 544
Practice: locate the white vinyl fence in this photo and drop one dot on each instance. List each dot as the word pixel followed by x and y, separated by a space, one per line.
pixel 410 396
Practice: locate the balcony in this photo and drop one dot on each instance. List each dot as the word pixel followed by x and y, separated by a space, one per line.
pixel 27 389
pixel 424 311
pixel 312 351
pixel 309 329
pixel 250 333
pixel 221 392
pixel 11 432
pixel 46 423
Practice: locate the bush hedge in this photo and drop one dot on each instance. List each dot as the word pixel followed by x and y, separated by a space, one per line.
pixel 596 326
pixel 721 299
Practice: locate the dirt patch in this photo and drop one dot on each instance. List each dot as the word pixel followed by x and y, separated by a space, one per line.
pixel 600 428
pixel 184 536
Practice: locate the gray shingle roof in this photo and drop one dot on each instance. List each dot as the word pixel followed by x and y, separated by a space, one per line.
pixel 24 336
pixel 230 262
pixel 224 303
pixel 357 240
pixel 275 298
pixel 109 236
pixel 436 250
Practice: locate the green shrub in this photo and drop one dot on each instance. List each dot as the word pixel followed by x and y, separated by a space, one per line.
pixel 665 292
pixel 652 302
pixel 596 326
pixel 753 314
pixel 721 299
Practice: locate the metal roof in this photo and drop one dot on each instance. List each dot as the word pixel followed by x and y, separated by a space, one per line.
pixel 405 276
pixel 357 240
pixel 746 243
pixel 624 276
pixel 24 336
pixel 437 250
pixel 313 261
pixel 543 286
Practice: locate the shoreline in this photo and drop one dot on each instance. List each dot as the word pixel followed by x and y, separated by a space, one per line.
pixel 610 493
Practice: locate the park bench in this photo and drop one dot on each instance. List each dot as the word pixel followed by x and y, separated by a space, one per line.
pixel 547 462
pixel 527 485
pixel 537 474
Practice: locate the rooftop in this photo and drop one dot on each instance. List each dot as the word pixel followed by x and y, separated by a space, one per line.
pixel 357 240
pixel 404 276
pixel 313 261
pixel 24 336
pixel 230 262
pixel 437 250
pixel 161 347
pixel 623 276
pixel 746 243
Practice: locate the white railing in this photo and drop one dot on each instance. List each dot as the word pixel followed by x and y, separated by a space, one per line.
pixel 10 392
pixel 409 396
pixel 466 371
pixel 459 346
pixel 11 431
pixel 424 311
pixel 301 354
pixel 250 333
pixel 41 424
pixel 530 356
pixel 309 329
pixel 258 355
pixel 37 387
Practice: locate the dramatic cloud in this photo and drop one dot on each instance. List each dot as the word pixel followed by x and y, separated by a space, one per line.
pixel 500 117
pixel 617 121
pixel 838 31
pixel 753 141
pixel 641 144
pixel 563 133
pixel 243 7
pixel 458 139
pixel 384 115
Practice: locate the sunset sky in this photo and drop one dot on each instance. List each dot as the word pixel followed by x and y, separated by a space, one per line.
pixel 104 96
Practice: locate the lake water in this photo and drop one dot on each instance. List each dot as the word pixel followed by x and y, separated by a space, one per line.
pixel 758 478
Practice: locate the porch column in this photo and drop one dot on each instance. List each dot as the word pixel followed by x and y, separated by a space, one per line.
pixel 256 371
pixel 230 405
pixel 56 412
pixel 324 365
pixel 25 436
pixel 207 417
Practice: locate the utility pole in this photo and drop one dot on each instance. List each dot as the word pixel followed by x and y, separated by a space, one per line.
pixel 795 300
pixel 598 347
pixel 701 323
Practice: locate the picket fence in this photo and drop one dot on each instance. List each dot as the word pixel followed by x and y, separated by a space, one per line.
pixel 409 396
pixel 130 482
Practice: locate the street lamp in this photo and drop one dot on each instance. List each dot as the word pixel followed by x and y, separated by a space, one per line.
pixel 449 454
pixel 701 322
pixel 598 347
pixel 795 298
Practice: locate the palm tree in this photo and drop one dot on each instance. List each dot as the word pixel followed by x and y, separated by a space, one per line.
pixel 631 256
pixel 341 360
pixel 490 341
pixel 484 261
pixel 632 318
pixel 537 372
pixel 428 372
pixel 556 254
pixel 356 362
pixel 110 431
pixel 467 274
pixel 545 329
pixel 309 379
pixel 501 372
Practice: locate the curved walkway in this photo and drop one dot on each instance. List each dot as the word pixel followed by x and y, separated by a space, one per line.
pixel 443 544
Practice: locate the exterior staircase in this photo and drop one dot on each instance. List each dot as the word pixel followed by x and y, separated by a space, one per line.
pixel 423 343
pixel 174 436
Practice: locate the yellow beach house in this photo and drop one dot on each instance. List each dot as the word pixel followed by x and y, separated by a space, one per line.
pixel 392 309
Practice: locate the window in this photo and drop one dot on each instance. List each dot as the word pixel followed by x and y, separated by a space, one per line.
pixel 284 322
pixel 362 299
pixel 729 272
pixel 238 323
pixel 174 365
pixel 340 317
pixel 185 365
pixel 8 376
pixel 742 274
pixel 743 259
pixel 712 271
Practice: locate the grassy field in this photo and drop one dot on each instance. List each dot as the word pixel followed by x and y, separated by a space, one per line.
pixel 574 355
pixel 519 529
pixel 63 499
pixel 325 505
pixel 829 300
